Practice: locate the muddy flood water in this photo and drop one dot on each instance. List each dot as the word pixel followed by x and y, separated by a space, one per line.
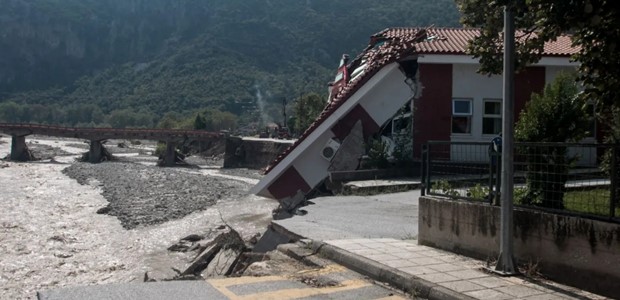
pixel 51 235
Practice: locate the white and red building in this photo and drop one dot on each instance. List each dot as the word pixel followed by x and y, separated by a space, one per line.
pixel 452 102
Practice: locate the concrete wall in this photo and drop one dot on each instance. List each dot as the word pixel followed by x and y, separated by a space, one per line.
pixel 252 153
pixel 576 251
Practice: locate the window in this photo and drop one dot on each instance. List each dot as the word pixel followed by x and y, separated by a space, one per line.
pixel 461 116
pixel 492 117
pixel 401 124
pixel 339 77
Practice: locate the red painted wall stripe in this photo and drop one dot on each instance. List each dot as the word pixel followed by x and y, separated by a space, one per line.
pixel 432 116
pixel 531 80
pixel 343 126
pixel 288 184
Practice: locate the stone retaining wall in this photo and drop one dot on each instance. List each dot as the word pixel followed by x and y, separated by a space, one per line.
pixel 580 252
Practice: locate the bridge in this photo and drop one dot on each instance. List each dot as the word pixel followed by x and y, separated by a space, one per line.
pixel 172 137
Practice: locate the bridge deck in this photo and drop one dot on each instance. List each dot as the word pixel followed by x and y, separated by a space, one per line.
pixel 98 134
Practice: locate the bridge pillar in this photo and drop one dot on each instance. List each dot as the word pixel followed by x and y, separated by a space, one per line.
pixel 19 150
pixel 95 153
pixel 171 154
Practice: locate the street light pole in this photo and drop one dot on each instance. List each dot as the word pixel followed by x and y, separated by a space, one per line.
pixel 505 263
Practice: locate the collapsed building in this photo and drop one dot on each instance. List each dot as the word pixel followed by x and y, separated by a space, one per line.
pixel 365 94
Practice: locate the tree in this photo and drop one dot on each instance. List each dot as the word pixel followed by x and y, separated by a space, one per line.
pixel 199 122
pixel 556 116
pixel 307 110
pixel 10 112
pixel 594 27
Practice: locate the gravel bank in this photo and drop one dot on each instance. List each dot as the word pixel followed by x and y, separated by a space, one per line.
pixel 141 195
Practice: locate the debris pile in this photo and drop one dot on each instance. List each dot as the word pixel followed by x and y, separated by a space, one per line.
pixel 225 254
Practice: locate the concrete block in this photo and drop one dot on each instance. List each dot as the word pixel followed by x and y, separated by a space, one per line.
pixel 351 149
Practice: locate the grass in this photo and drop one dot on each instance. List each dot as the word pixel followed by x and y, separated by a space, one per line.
pixel 594 201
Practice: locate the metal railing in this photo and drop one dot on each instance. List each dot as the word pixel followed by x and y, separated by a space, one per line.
pixel 571 178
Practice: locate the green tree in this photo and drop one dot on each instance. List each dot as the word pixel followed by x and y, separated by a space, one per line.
pixel 556 116
pixel 593 26
pixel 10 112
pixel 307 109
pixel 169 120
pixel 199 122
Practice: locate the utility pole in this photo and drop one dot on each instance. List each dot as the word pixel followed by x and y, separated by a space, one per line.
pixel 285 121
pixel 505 263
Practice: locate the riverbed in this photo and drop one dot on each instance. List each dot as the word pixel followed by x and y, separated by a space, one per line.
pixel 64 223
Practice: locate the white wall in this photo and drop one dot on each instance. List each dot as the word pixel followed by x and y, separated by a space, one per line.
pixel 467 83
pixel 387 98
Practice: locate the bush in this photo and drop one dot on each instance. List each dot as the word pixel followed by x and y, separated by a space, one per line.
pixel 377 154
pixel 556 116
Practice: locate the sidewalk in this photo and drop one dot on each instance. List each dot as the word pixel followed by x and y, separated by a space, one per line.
pixel 435 274
pixel 376 236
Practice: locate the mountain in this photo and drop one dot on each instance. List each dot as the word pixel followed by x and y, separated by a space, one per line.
pixel 161 56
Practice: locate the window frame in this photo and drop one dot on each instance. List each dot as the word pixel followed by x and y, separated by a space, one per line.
pixel 491 116
pixel 468 115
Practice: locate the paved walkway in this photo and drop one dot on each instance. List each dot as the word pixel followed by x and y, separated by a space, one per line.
pixel 443 274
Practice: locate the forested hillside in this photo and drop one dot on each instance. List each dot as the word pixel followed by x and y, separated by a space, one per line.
pixel 82 61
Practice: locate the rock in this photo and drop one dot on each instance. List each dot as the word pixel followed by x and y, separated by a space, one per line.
pixel 147 279
pixel 254 239
pixel 104 210
pixel 259 268
pixel 193 238
pixel 181 246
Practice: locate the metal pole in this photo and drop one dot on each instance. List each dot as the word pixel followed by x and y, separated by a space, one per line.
pixel 614 181
pixel 428 169
pixel 423 168
pixel 505 263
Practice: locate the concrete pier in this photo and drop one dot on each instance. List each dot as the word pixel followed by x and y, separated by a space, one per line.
pixel 170 156
pixel 19 150
pixel 95 153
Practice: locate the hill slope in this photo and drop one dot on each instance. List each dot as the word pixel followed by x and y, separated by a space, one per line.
pixel 180 55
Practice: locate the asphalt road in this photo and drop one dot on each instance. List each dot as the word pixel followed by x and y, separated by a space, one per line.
pixel 341 217
pixel 329 282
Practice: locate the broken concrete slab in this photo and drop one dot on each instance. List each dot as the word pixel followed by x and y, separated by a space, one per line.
pixel 201 261
pixel 222 264
pixel 270 240
pixel 229 240
pixel 290 203
pixel 351 149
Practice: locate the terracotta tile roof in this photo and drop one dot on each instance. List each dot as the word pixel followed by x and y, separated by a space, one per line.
pixel 563 46
pixel 393 44
pixel 455 41
pixel 381 51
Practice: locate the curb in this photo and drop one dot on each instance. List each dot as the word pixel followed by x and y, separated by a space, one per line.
pixel 406 282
